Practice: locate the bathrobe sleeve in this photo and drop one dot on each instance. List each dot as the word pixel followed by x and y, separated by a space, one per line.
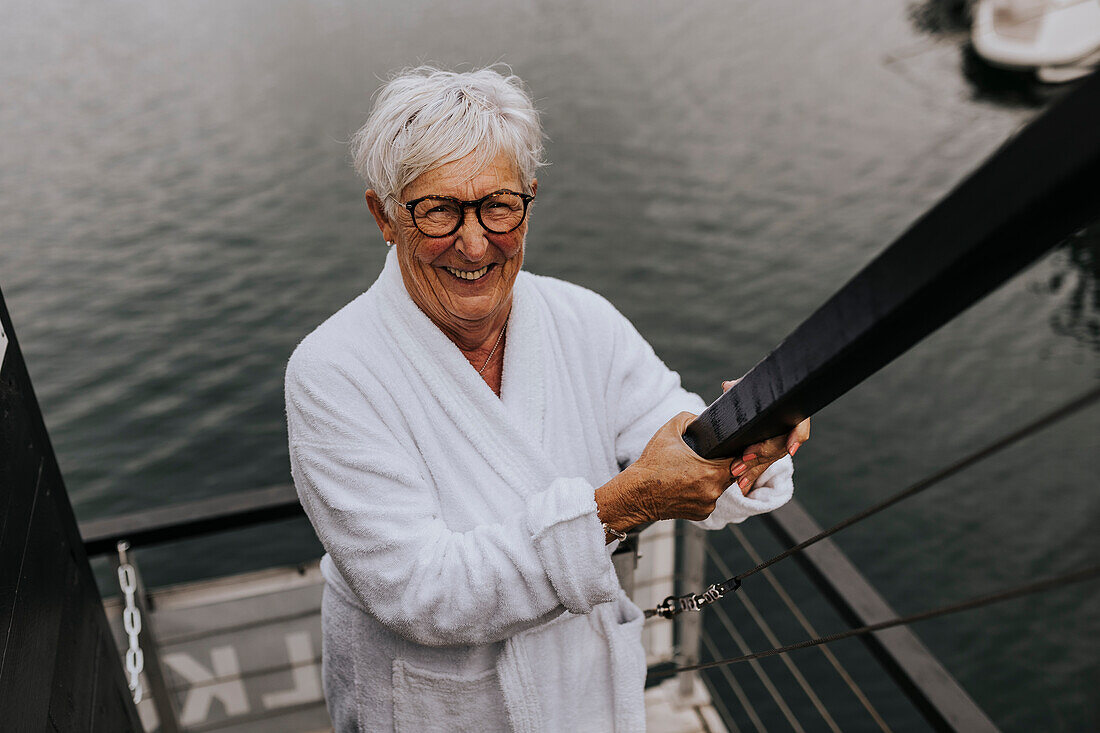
pixel 645 394
pixel 378 517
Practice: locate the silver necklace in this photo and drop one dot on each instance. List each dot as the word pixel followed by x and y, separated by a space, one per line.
pixel 490 357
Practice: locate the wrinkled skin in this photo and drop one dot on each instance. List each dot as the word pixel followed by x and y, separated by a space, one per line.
pixel 471 313
pixel 671 481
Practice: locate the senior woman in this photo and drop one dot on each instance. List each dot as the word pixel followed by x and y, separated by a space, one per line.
pixel 457 437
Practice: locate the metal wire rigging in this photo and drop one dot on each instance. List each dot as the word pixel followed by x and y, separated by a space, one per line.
pixel 1038 586
pixel 674 605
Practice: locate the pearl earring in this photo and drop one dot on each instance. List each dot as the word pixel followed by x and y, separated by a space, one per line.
pixel 389 243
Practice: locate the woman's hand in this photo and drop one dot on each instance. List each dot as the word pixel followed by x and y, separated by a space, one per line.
pixel 671 481
pixel 758 456
pixel 668 481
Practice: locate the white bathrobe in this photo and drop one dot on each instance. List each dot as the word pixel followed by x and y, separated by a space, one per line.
pixel 468 584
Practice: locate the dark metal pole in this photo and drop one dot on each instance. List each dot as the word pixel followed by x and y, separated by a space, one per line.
pixel 1038 189
pixel 191 519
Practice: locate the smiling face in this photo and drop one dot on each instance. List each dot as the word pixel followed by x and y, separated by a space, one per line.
pixel 463 281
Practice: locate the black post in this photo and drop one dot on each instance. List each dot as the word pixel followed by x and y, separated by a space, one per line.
pixel 59 669
pixel 1038 189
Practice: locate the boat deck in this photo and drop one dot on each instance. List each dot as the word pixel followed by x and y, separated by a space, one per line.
pixel 243 653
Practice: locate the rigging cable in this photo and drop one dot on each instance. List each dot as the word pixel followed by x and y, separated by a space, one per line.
pixel 674 605
pixel 1038 586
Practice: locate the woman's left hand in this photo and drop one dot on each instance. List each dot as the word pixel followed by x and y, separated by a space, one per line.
pixel 758 456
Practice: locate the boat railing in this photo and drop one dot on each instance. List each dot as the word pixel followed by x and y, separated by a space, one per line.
pixel 687 640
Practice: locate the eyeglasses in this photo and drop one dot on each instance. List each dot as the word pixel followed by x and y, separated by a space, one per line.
pixel 441 216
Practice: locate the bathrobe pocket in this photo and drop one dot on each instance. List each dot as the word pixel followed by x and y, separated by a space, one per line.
pixel 426 701
pixel 628 666
pixel 622 625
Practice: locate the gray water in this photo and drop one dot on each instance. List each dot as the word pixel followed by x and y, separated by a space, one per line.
pixel 177 211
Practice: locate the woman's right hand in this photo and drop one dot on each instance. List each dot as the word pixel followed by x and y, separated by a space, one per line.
pixel 670 480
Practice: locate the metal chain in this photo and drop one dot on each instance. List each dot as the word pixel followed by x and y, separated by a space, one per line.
pixel 489 358
pixel 131 622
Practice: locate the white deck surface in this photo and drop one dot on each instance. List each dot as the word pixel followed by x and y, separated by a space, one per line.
pixel 666 712
pixel 242 653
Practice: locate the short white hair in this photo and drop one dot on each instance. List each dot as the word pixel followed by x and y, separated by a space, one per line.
pixel 426 117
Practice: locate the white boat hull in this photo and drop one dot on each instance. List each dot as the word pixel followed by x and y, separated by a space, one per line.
pixel 1058 38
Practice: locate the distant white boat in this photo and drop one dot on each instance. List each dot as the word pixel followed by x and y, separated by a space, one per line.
pixel 1059 39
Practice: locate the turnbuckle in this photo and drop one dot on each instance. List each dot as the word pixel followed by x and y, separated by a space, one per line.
pixel 674 605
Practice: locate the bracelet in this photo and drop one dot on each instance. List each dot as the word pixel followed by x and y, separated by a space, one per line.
pixel 620 536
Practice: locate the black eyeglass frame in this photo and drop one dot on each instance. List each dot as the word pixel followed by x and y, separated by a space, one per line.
pixel 476 203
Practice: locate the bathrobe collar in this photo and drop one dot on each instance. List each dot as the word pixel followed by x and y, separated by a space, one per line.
pixel 507 431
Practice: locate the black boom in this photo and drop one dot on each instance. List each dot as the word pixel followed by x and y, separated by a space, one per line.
pixel 1039 188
